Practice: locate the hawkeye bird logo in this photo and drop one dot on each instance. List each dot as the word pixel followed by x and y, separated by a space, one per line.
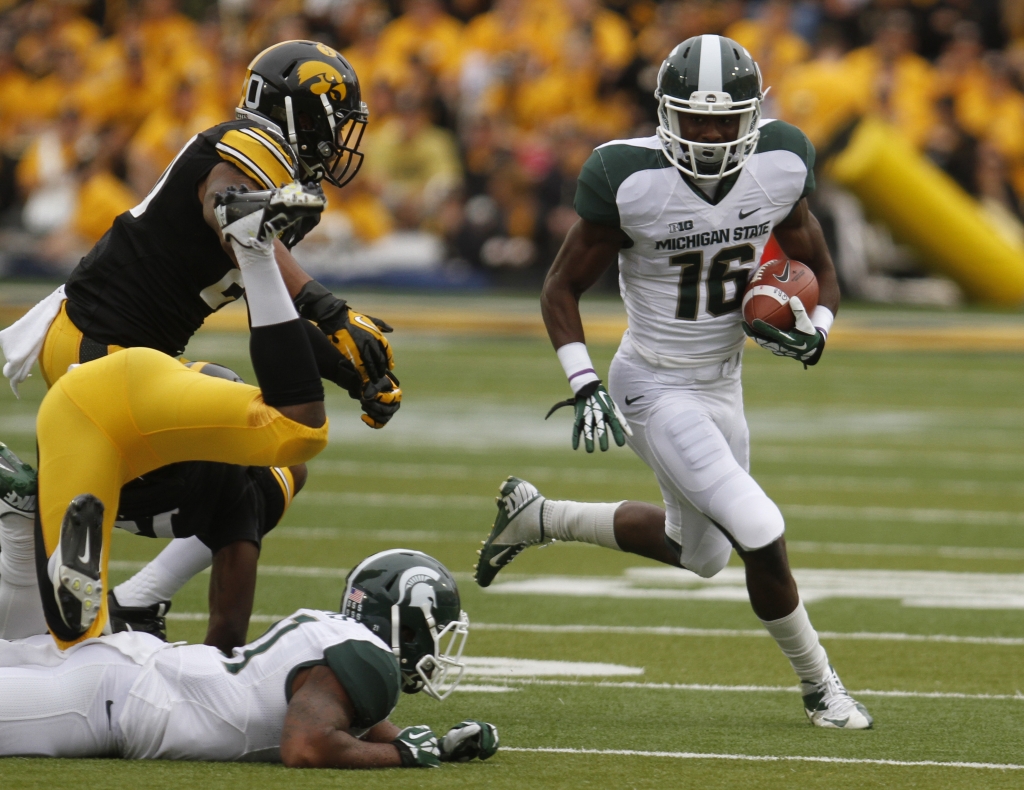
pixel 321 78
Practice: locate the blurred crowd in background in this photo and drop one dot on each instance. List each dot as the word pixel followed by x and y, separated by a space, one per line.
pixel 481 111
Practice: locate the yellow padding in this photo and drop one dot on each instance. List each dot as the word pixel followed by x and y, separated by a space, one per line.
pixel 926 209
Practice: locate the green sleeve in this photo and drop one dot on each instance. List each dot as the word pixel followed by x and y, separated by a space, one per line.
pixel 595 198
pixel 370 677
pixel 782 136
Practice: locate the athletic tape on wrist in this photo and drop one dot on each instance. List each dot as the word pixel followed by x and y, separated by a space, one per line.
pixel 822 319
pixel 577 365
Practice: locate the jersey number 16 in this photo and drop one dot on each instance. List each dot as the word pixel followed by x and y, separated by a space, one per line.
pixel 718 275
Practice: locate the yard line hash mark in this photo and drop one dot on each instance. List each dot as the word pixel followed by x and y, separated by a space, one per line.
pixel 770 758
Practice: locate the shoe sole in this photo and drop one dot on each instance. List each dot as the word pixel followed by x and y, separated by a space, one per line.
pixel 78 587
pixel 491 558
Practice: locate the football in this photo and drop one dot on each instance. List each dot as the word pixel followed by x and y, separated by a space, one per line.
pixel 771 287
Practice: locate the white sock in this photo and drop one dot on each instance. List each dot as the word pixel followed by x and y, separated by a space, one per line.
pixel 21 609
pixel 265 292
pixel 587 522
pixel 168 572
pixel 799 641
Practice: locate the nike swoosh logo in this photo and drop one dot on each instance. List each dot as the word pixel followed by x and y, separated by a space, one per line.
pixel 110 704
pixel 754 211
pixel 630 402
pixel 784 277
pixel 368 324
pixel 498 556
pixel 84 559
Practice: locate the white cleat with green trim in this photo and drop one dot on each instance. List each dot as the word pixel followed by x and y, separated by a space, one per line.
pixel 829 704
pixel 519 524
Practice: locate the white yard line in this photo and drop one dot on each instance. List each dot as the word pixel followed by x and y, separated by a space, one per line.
pixel 768 758
pixel 727 633
pixel 889 549
pixel 750 689
pixel 757 633
pixel 795 511
pixel 575 474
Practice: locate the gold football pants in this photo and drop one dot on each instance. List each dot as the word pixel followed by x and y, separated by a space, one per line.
pixel 123 415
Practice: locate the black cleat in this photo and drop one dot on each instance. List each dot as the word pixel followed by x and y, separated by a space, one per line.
pixel 76 583
pixel 147 619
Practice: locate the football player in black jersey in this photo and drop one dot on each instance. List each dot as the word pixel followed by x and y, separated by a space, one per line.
pixel 166 264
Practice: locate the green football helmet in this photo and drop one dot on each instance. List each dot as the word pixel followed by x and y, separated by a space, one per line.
pixel 709 75
pixel 308 94
pixel 410 600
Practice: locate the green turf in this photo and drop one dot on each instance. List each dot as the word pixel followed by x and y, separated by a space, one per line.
pixel 931 441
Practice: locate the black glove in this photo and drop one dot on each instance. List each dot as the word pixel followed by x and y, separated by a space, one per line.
pixel 380 401
pixel 359 337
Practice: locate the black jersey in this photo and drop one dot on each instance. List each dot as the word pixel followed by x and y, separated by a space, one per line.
pixel 160 269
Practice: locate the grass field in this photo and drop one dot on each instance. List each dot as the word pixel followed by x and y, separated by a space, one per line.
pixel 901 475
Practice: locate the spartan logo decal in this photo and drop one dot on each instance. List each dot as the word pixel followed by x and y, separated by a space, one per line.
pixel 417 591
pixel 321 78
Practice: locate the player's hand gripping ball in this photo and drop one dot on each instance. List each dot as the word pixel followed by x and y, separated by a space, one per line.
pixel 772 286
pixel 776 311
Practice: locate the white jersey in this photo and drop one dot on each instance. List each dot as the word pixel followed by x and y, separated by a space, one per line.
pixel 194 703
pixel 683 276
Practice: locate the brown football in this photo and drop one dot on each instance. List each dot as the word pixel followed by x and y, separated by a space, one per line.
pixel 770 289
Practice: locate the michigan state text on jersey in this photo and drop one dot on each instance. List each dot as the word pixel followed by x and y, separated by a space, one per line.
pixel 685 215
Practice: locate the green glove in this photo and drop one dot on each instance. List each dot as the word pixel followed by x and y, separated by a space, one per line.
pixel 469 739
pixel 596 412
pixel 417 746
pixel 805 343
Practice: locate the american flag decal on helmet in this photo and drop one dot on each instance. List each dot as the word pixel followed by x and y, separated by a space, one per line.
pixel 355 595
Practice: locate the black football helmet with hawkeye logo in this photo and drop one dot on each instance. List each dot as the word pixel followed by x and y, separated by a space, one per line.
pixel 410 600
pixel 309 94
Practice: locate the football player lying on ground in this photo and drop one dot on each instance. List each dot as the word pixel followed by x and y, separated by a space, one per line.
pixel 223 508
pixel 164 266
pixel 315 691
pixel 676 374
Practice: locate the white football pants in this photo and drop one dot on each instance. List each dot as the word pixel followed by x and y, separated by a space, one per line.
pixel 67 704
pixel 688 426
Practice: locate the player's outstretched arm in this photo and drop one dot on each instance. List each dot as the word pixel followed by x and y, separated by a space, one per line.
pixel 316 728
pixel 588 250
pixel 801 238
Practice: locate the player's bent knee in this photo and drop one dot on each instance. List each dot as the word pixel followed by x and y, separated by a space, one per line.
pixel 760 528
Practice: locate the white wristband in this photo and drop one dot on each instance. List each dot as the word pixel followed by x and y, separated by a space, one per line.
pixel 577 365
pixel 822 319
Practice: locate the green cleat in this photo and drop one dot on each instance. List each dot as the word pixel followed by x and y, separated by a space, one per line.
pixel 18 486
pixel 519 524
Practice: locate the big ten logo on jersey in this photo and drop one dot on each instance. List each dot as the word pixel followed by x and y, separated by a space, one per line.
pixel 709 238
pixel 227 289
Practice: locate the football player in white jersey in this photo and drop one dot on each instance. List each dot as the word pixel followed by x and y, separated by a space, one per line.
pixel 314 691
pixel 686 215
